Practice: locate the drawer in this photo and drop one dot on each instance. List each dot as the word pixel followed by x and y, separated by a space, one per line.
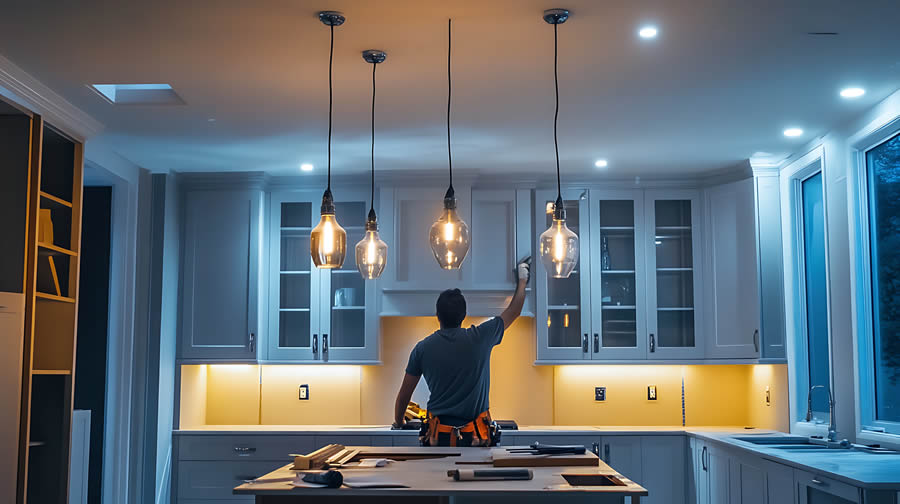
pixel 200 479
pixel 341 439
pixel 811 483
pixel 242 447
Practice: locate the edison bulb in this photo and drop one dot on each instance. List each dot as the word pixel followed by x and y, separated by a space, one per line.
pixel 559 246
pixel 328 243
pixel 449 237
pixel 371 254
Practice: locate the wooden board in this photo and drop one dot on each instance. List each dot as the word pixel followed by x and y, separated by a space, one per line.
pixel 503 458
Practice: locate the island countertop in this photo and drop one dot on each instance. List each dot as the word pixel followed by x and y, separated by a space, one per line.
pixel 428 478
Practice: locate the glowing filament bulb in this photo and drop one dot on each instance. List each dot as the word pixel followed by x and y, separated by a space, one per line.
pixel 448 231
pixel 566 320
pixel 327 238
pixel 548 320
pixel 371 253
pixel 559 245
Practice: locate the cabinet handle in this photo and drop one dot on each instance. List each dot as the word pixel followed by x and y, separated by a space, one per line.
pixel 652 343
pixel 324 346
pixel 756 340
pixel 703 459
pixel 596 342
pixel 250 343
pixel 244 451
pixel 596 449
pixel 817 481
pixel 606 453
pixel 584 343
pixel 315 346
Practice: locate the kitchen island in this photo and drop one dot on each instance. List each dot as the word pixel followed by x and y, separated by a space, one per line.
pixel 427 481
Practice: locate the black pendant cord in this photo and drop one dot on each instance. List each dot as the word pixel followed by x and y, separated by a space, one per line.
pixel 556 114
pixel 449 95
pixel 372 207
pixel 330 102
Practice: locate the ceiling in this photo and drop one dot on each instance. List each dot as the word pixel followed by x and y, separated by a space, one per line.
pixel 719 84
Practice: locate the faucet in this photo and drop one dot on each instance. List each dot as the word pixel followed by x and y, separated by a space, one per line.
pixel 832 429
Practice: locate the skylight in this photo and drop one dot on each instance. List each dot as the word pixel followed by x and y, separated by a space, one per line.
pixel 138 94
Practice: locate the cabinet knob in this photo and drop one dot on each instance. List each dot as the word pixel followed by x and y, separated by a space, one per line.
pixel 652 343
pixel 315 346
pixel 584 343
pixel 324 346
pixel 596 342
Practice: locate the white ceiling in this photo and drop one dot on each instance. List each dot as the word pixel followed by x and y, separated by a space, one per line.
pixel 720 83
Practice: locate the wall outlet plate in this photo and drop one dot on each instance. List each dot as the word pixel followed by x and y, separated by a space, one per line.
pixel 599 393
pixel 651 392
pixel 304 392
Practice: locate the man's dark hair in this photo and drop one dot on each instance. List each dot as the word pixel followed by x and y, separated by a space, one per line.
pixel 451 308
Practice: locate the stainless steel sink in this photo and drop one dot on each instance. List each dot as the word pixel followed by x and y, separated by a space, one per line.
pixel 775 440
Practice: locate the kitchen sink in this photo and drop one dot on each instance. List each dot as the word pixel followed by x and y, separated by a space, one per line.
pixel 775 440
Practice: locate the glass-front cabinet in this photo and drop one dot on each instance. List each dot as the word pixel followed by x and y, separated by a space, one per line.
pixel 673 270
pixel 618 275
pixel 564 303
pixel 317 314
pixel 633 294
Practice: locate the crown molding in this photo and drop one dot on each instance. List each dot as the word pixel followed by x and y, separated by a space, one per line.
pixel 30 93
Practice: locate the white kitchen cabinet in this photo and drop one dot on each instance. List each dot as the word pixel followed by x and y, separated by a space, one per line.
pixel 564 303
pixel 674 303
pixel 618 286
pixel 318 314
pixel 623 453
pixel 711 482
pixel 663 470
pixel 747 480
pixel 221 265
pixel 780 487
pixel 770 264
pixel 733 327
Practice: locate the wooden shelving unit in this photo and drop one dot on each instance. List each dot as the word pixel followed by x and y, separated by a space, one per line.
pixel 51 308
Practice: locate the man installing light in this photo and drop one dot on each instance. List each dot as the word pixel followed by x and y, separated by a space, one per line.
pixel 456 364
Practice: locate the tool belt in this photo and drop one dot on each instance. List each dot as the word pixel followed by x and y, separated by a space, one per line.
pixel 479 432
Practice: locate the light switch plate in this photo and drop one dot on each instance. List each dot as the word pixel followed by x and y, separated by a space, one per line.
pixel 599 393
pixel 304 392
pixel 651 392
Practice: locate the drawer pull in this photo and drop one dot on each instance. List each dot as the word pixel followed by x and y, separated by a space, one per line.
pixel 243 451
pixel 817 481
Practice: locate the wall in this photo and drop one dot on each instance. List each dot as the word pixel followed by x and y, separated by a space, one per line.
pixel 726 395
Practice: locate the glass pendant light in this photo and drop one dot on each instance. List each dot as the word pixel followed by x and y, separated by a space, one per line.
pixel 328 240
pixel 371 251
pixel 449 236
pixel 558 244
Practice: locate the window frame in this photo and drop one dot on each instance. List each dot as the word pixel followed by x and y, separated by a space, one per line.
pixel 791 178
pixel 862 302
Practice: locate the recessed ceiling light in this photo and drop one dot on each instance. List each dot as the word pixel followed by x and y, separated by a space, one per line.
pixel 648 32
pixel 852 92
pixel 306 167
pixel 793 132
pixel 601 163
pixel 138 94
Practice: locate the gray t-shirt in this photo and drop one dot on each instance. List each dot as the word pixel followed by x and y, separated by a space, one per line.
pixel 457 367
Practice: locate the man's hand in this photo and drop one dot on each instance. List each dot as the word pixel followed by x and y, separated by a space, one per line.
pixel 523 270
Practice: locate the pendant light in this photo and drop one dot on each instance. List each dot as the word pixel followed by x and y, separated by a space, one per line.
pixel 328 240
pixel 449 236
pixel 371 251
pixel 558 244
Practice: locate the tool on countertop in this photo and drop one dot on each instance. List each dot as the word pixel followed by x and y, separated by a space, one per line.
pixel 541 449
pixel 507 425
pixel 331 479
pixel 490 474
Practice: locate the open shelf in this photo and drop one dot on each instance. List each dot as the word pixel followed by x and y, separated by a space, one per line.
pixel 562 307
pixel 51 201
pixel 348 307
pixel 674 269
pixel 616 272
pixel 618 307
pixel 676 309
pixel 50 372
pixel 45 249
pixel 54 297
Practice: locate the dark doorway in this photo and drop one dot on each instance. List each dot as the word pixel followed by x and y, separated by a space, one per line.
pixel 93 324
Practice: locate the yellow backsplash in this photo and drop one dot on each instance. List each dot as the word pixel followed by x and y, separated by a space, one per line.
pixel 727 395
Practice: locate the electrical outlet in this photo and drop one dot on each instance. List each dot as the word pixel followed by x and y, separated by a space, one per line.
pixel 651 392
pixel 768 396
pixel 304 392
pixel 599 393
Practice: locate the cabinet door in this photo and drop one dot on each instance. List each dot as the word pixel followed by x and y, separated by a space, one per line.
pixel 700 487
pixel 770 265
pixel 623 453
pixel 348 321
pixel 673 246
pixel 293 281
pixel 747 480
pixel 780 487
pixel 734 294
pixel 221 268
pixel 663 470
pixel 406 214
pixel 718 467
pixel 618 310
pixel 493 247
pixel 563 302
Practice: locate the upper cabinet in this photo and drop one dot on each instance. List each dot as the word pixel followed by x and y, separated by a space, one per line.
pixel 733 324
pixel 770 265
pixel 315 314
pixel 221 267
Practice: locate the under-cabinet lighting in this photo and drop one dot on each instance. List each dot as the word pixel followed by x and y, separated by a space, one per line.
pixel 306 167
pixel 852 92
pixel 601 163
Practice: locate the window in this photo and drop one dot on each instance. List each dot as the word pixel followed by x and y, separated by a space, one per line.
pixel 883 175
pixel 815 284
